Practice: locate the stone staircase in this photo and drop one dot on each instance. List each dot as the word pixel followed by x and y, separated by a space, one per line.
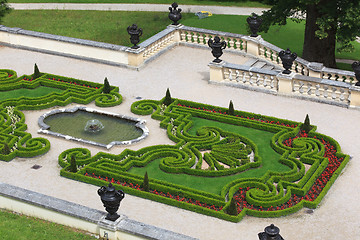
pixel 260 64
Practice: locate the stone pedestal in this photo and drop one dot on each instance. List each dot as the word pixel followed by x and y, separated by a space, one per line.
pixel 135 56
pixel 355 97
pixel 315 69
pixel 216 71
pixel 108 229
pixel 252 45
pixel 285 83
pixel 177 32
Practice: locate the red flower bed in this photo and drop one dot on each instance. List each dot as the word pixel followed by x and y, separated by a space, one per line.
pixel 315 190
pixel 240 116
pixel 154 191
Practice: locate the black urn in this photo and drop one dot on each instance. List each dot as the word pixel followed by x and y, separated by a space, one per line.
pixel 356 67
pixel 174 14
pixel 135 34
pixel 217 48
pixel 287 59
pixel 271 233
pixel 254 22
pixel 111 199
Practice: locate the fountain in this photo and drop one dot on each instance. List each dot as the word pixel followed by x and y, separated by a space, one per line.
pixel 93 126
pixel 101 128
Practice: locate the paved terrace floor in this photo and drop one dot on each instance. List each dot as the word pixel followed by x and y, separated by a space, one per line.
pixel 184 70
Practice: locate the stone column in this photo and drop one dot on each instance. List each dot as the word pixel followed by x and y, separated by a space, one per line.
pixel 216 71
pixel 285 83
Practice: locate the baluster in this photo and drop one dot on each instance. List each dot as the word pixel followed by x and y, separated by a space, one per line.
pixel 258 78
pixel 301 84
pixel 317 90
pixel 334 93
pixel 266 79
pixel 342 95
pixel 238 44
pixel 183 36
pixel 230 75
pixel 237 75
pixel 189 35
pixel 309 89
pixel 273 83
pixel 326 94
pixel 231 43
pixel 207 37
pixel 226 74
pixel 244 77
pixel 250 78
pixel 195 37
pixel 201 39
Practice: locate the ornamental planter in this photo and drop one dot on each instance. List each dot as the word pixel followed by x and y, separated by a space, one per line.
pixel 254 22
pixel 356 67
pixel 111 199
pixel 271 233
pixel 217 48
pixel 287 59
pixel 135 34
pixel 175 14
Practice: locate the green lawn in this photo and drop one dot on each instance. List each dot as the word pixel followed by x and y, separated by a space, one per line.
pixel 23 92
pixel 112 27
pixel 19 227
pixel 214 184
pixel 242 3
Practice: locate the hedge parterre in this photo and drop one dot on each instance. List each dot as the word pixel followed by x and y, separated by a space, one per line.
pixel 275 194
pixel 14 140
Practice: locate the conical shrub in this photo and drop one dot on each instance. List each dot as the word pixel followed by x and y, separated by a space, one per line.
pixel 146 182
pixel 167 100
pixel 306 125
pixel 73 167
pixel 232 210
pixel 106 88
pixel 231 108
pixel 37 73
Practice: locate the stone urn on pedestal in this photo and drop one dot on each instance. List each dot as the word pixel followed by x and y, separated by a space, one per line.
pixel 254 22
pixel 356 67
pixel 271 233
pixel 111 199
pixel 175 14
pixel 217 48
pixel 135 34
pixel 287 59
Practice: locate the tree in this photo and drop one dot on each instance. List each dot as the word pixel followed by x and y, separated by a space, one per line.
pixel 37 73
pixel 4 9
pixel 106 88
pixel 167 100
pixel 231 108
pixel 73 167
pixel 146 182
pixel 327 22
pixel 232 210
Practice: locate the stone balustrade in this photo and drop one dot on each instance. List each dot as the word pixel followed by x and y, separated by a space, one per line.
pixel 341 93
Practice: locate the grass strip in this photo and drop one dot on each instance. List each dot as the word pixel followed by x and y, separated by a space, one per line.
pixel 20 227
pixel 31 93
pixel 243 3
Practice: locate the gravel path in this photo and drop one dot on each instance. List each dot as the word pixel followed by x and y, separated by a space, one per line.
pixel 184 70
pixel 137 7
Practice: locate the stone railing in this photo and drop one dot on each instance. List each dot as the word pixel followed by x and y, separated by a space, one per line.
pixel 294 85
pixel 246 77
pixel 162 41
pixel 80 217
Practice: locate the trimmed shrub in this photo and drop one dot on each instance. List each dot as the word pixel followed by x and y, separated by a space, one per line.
pixel 106 88
pixel 232 210
pixel 5 150
pixel 145 184
pixel 231 108
pixel 306 125
pixel 37 73
pixel 167 100
pixel 73 167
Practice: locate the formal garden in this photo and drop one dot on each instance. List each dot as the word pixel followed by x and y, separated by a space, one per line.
pixel 223 163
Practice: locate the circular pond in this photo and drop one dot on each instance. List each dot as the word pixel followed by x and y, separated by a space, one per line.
pixel 92 126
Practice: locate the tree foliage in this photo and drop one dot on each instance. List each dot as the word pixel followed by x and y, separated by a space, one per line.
pixel 327 22
pixel 4 9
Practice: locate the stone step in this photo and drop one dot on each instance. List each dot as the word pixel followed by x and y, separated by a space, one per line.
pixel 268 67
pixel 250 62
pixel 259 64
